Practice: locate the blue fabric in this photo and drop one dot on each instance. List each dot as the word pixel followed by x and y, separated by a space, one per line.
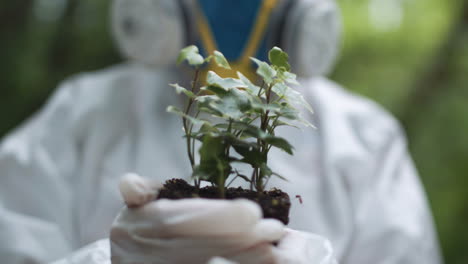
pixel 231 22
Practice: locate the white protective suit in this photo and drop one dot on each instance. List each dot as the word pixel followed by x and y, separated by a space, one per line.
pixel 59 171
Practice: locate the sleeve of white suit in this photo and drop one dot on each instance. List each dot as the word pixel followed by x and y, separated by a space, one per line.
pixel 36 165
pixel 94 253
pixel 392 218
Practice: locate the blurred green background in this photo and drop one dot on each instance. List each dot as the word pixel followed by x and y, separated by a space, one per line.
pixel 411 56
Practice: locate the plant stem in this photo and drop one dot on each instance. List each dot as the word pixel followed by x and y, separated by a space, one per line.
pixel 188 131
pixel 239 133
pixel 261 88
pixel 259 175
pixel 187 135
pixel 273 125
pixel 264 123
pixel 252 179
pixel 229 129
pixel 223 177
pixel 232 180
pixel 258 184
pixel 222 181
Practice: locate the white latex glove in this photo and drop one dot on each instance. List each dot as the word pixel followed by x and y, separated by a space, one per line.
pixel 298 247
pixel 196 230
pixel 187 230
pixel 295 247
pixel 137 190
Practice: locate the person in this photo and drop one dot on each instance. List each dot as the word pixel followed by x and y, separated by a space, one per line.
pixel 60 170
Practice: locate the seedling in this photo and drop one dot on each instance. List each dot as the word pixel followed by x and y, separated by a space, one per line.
pixel 230 115
pixel 234 120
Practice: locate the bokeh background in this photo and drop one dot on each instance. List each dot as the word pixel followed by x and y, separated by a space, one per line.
pixel 411 56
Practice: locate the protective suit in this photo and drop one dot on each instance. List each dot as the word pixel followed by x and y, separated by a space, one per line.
pixel 60 170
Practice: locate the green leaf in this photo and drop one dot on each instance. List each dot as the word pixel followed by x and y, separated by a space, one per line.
pixel 261 107
pixel 215 90
pixel 195 121
pixel 226 108
pixel 204 99
pixel 179 89
pixel 306 123
pixel 275 141
pixel 266 170
pixel 280 143
pixel 290 78
pixel 249 130
pixel 284 123
pixel 280 89
pixel 226 83
pixel 214 164
pixel 265 71
pixel 207 128
pixel 284 109
pixel 250 87
pixel 212 147
pixel 242 98
pixel 291 113
pixel 231 105
pixel 191 55
pixel 250 152
pixel 205 102
pixel 221 60
pixel 279 59
pixel 267 173
pixel 291 96
pixel 279 176
pixel 234 125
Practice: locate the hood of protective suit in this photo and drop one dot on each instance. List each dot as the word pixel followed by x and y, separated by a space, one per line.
pixel 153 31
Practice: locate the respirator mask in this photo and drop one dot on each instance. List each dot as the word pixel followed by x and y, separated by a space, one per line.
pixel 154 31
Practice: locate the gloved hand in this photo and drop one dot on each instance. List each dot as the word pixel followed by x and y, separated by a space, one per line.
pixel 197 230
pixel 294 248
pixel 298 247
pixel 185 231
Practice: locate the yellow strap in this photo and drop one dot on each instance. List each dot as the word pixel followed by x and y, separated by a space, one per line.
pixel 205 32
pixel 259 30
pixel 243 64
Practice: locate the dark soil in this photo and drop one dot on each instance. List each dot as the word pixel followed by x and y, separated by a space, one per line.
pixel 274 203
